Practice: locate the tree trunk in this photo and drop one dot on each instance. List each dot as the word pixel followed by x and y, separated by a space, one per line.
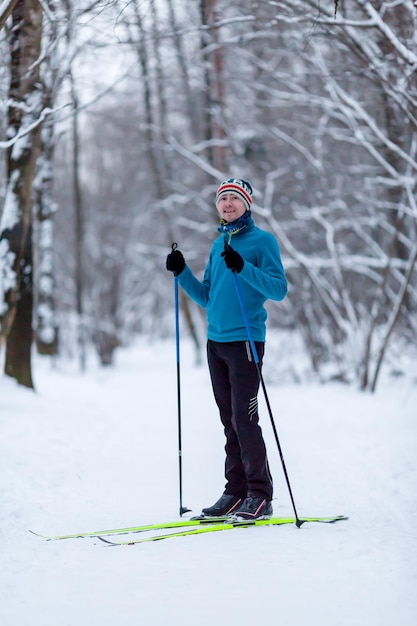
pixel 16 229
pixel 43 240
pixel 45 321
pixel 19 340
pixel 79 231
pixel 213 64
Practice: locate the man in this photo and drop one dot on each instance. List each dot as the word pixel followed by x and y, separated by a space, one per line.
pixel 255 257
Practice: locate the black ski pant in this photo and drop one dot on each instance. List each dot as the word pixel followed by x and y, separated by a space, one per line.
pixel 235 381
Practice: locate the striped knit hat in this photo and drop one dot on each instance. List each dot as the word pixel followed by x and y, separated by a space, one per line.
pixel 238 186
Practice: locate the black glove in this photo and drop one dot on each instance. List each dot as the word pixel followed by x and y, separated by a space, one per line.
pixel 232 259
pixel 175 262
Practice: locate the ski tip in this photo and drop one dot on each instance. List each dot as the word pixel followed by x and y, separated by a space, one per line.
pixel 323 520
pixel 108 542
pixel 46 537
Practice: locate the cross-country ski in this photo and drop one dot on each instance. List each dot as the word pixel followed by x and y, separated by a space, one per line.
pixel 209 523
pixel 218 527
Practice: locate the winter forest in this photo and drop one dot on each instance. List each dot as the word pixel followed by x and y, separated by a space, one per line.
pixel 118 120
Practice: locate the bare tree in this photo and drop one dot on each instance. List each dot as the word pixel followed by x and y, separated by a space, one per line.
pixel 25 107
pixel 44 206
pixel 318 110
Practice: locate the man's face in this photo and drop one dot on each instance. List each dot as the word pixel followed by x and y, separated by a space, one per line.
pixel 230 207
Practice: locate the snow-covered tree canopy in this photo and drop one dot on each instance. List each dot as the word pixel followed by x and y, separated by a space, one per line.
pixel 146 106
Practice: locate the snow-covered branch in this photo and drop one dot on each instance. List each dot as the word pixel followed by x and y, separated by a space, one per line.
pixel 6 9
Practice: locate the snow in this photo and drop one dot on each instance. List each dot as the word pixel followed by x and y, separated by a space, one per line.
pixel 100 450
pixel 10 214
pixel 7 275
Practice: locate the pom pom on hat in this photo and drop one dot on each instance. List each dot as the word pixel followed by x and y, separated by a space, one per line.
pixel 238 186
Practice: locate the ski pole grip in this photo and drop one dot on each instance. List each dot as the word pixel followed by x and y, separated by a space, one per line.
pixel 174 246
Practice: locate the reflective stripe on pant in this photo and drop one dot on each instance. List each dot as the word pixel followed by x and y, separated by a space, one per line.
pixel 235 381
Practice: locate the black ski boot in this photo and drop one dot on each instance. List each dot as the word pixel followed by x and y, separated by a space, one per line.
pixel 225 505
pixel 253 508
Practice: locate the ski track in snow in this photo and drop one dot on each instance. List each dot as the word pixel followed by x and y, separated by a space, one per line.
pixel 100 450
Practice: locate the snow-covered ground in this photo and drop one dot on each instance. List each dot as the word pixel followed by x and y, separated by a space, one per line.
pixel 101 450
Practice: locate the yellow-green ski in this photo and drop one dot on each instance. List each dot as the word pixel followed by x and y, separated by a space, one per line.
pixel 224 525
pixel 134 529
pixel 198 524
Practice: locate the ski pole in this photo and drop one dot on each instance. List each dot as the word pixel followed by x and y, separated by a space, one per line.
pixel 183 509
pixel 298 522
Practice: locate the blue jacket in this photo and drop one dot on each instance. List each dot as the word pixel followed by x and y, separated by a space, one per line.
pixel 261 278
